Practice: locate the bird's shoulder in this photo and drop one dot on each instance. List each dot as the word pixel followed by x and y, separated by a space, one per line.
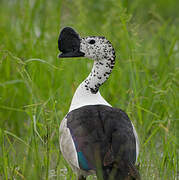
pixel 91 116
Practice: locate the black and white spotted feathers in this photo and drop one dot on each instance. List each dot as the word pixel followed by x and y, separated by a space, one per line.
pixel 101 51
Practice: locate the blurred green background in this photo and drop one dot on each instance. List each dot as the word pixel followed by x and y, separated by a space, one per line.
pixel 36 87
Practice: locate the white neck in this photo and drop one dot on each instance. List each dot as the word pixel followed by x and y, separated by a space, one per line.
pixel 88 91
pixel 83 98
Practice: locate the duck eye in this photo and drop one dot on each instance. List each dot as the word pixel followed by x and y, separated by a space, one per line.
pixel 92 41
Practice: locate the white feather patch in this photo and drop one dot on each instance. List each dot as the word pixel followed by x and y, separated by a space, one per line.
pixel 137 141
pixel 83 98
pixel 67 145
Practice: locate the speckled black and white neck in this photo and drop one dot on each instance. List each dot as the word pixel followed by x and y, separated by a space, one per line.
pixel 103 55
pixel 101 51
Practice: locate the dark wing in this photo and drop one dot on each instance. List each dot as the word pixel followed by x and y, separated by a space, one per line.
pixel 103 136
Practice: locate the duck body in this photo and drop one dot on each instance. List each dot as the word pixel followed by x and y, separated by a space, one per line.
pixel 95 137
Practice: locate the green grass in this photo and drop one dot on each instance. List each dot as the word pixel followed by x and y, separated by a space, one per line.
pixel 36 87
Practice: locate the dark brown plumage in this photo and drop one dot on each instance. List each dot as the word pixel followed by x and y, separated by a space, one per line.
pixel 104 139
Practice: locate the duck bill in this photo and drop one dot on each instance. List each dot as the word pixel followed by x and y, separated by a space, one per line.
pixel 69 43
pixel 71 54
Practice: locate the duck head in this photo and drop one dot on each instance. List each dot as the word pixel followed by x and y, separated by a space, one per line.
pixel 93 47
